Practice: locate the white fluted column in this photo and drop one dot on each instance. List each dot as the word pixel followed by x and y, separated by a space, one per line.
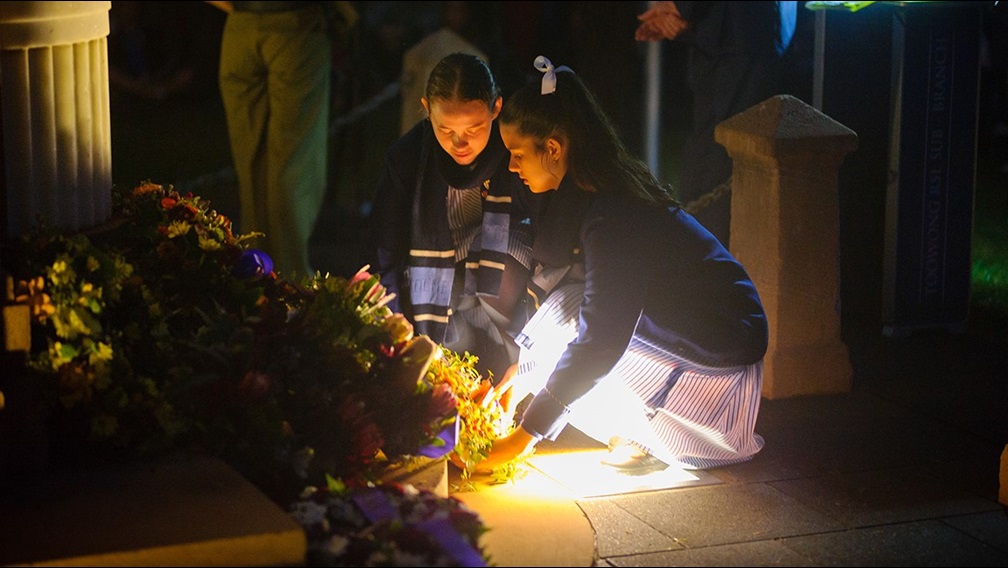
pixel 56 142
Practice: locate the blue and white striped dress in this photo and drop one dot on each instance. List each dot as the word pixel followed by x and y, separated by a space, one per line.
pixel 683 413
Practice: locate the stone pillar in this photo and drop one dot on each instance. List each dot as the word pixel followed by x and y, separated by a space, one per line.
pixel 1003 478
pixel 54 96
pixel 785 230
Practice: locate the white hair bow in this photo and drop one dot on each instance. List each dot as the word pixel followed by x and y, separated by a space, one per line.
pixel 549 74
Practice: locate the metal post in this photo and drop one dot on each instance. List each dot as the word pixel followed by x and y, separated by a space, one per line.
pixel 652 106
pixel 819 60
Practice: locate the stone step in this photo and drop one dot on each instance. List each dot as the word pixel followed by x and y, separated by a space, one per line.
pixel 184 510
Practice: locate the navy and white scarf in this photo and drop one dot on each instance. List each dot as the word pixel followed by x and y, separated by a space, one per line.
pixel 431 262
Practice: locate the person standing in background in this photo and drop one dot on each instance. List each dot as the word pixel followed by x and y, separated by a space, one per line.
pixel 455 35
pixel 145 59
pixel 736 60
pixel 275 80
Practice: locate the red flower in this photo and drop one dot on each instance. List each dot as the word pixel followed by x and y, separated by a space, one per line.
pixel 361 276
pixel 254 385
pixel 444 403
pixel 146 188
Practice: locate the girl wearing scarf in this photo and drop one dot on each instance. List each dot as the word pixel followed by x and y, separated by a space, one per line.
pixel 453 225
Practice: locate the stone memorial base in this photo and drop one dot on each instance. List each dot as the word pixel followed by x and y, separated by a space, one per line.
pixel 180 511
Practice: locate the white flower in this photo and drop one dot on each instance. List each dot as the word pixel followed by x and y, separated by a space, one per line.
pixel 337 544
pixel 309 513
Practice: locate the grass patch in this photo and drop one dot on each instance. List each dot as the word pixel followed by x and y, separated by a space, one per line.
pixel 990 266
pixel 989 274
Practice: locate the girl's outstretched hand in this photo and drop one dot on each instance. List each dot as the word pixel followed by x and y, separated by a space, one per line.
pixel 505 449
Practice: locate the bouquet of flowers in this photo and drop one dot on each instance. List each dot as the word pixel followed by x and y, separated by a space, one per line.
pixel 387 525
pixel 481 422
pixel 163 329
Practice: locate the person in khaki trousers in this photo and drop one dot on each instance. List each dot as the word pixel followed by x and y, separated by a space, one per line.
pixel 275 80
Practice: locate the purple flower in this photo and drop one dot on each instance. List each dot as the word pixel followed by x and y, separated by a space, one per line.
pixel 443 443
pixel 253 264
pixel 447 536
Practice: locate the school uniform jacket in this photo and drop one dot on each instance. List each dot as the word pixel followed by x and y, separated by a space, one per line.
pixel 651 272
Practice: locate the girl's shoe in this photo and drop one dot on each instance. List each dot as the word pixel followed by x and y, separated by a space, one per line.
pixel 631 460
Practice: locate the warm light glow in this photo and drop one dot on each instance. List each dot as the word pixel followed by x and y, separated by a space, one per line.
pixel 582 473
pixel 561 475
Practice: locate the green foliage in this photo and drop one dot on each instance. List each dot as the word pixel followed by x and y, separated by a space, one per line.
pixel 990 265
pixel 164 330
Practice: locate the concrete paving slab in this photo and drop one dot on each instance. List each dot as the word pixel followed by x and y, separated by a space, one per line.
pixel 925 543
pixel 532 521
pixel 885 496
pixel 725 514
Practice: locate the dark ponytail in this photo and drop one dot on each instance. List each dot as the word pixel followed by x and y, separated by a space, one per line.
pixel 598 161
